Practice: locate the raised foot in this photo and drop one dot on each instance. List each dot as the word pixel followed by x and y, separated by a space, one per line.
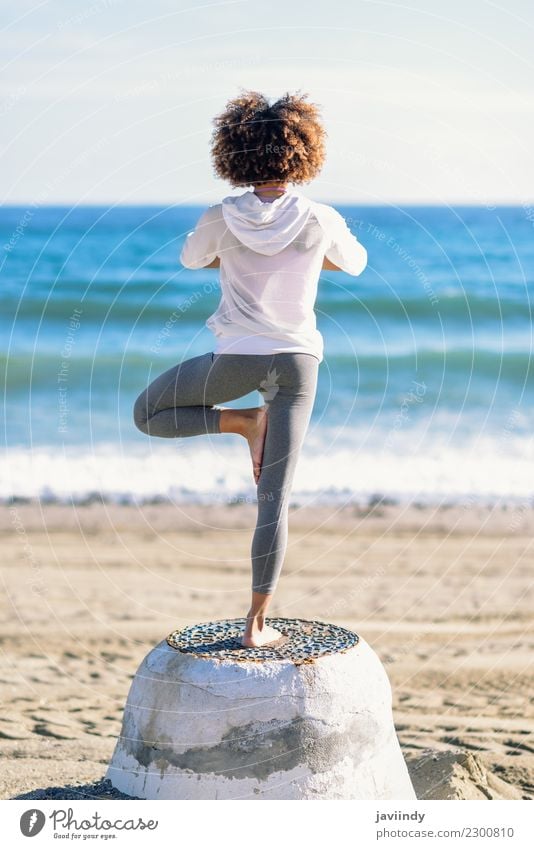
pixel 267 636
pixel 255 436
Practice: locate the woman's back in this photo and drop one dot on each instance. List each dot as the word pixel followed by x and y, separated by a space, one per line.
pixel 271 255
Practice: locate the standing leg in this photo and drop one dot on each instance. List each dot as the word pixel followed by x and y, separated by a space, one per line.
pixel 288 418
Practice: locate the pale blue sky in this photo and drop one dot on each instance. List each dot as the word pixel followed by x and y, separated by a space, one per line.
pixel 111 100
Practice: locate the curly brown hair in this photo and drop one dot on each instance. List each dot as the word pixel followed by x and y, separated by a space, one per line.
pixel 256 142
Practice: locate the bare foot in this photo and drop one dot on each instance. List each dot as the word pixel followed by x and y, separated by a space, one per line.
pixel 250 423
pixel 255 637
pixel 255 436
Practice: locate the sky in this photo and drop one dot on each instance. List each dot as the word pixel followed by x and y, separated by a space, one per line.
pixel 111 101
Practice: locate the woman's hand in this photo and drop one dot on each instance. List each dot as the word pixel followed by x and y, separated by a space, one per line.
pixel 329 266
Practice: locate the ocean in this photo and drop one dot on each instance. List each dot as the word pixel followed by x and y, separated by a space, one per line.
pixel 425 392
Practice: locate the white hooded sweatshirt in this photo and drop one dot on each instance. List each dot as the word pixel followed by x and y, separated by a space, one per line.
pixel 271 255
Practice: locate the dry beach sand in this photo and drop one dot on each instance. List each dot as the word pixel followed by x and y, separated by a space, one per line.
pixel 443 595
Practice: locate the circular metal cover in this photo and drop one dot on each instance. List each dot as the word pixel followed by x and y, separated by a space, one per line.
pixel 304 640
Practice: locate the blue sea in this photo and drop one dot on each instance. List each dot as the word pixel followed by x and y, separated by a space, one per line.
pixel 425 392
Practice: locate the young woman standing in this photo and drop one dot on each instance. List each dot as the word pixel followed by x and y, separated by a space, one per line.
pixel 270 244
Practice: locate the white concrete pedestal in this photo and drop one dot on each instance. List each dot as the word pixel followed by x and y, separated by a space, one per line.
pixel 206 726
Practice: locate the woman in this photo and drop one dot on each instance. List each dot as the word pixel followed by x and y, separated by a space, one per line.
pixel 270 245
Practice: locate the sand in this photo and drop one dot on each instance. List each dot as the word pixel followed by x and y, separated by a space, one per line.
pixel 443 595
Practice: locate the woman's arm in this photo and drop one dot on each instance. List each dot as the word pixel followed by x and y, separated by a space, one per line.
pixel 345 252
pixel 201 245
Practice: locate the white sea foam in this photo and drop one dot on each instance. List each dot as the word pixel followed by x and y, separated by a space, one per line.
pixel 210 471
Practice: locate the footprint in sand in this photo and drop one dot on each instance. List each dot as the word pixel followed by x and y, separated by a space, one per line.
pixel 514 745
pixel 46 731
pixel 462 744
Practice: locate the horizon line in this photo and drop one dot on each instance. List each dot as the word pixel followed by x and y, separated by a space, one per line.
pixel 161 204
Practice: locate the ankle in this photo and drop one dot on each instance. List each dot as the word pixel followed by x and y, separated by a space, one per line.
pixel 233 421
pixel 255 621
pixel 257 611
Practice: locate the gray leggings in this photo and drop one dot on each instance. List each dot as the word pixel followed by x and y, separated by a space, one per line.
pixel 180 403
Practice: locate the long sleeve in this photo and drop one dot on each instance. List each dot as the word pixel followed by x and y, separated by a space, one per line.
pixel 201 244
pixel 345 250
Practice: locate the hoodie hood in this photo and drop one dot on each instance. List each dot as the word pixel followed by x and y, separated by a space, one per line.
pixel 266 228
